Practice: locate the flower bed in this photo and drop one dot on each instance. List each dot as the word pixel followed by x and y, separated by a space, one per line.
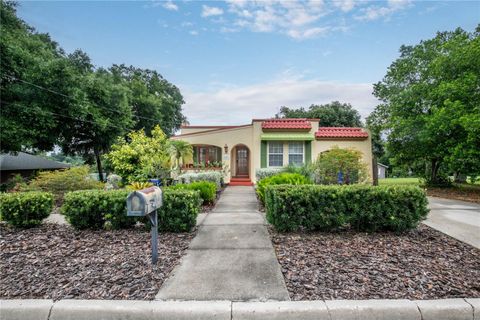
pixel 58 262
pixel 420 264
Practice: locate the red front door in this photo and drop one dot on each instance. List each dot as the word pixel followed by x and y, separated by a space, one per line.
pixel 242 161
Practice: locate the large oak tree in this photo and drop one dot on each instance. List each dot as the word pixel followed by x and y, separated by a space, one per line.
pixel 430 110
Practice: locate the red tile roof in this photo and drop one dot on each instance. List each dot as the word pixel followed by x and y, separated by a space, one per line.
pixel 340 133
pixel 294 124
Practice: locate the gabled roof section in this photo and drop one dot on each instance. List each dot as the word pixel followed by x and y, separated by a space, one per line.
pixel 286 124
pixel 25 161
pixel 215 130
pixel 346 133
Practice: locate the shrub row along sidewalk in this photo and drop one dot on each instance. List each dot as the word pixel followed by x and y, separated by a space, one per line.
pixel 358 207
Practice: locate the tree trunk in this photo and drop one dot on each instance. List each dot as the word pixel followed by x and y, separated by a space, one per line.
pixel 434 172
pixel 99 164
pixel 375 171
pixel 459 177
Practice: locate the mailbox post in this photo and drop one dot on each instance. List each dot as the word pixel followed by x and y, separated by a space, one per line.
pixel 145 202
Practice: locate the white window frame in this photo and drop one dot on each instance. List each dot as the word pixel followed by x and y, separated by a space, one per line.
pixel 268 154
pixel 303 151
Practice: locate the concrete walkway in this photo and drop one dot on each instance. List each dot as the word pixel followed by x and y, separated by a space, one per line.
pixel 458 219
pixel 231 258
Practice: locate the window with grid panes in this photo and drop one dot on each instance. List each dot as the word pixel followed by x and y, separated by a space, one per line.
pixel 275 154
pixel 295 152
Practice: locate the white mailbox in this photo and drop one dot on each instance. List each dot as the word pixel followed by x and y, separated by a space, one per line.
pixel 143 202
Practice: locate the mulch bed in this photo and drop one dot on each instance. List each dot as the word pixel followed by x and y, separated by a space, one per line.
pixel 456 193
pixel 421 264
pixel 58 262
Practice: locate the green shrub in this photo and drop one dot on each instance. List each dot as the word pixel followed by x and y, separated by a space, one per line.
pixel 263 173
pixel 360 207
pixel 179 211
pixel 97 209
pixel 212 176
pixel 348 161
pixel 25 209
pixel 59 182
pixel 281 178
pixel 208 190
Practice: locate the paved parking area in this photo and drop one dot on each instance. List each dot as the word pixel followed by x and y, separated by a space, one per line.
pixel 458 219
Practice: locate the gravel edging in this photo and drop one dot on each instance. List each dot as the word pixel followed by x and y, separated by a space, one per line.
pixel 446 309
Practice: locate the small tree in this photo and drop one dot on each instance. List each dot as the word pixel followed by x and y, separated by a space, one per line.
pixel 140 157
pixel 182 152
pixel 336 160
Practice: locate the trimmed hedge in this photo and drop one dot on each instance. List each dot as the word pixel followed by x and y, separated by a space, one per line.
pixel 280 178
pixel 180 210
pixel 99 209
pixel 25 209
pixel 208 190
pixel 360 207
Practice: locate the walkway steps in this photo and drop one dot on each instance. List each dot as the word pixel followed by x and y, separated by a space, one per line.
pixel 231 258
pixel 240 182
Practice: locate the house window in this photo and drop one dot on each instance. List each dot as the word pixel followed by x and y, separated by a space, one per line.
pixel 204 154
pixel 275 154
pixel 295 152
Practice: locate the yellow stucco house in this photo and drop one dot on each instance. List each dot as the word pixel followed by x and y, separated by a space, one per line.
pixel 267 143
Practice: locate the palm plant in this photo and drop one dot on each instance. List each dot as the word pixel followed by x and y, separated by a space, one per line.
pixel 181 151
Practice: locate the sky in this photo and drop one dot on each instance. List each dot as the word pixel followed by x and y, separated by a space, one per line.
pixel 237 60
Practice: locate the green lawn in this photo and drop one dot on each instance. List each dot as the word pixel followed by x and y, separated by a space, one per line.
pixel 399 181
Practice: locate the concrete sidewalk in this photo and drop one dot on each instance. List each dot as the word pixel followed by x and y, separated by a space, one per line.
pixel 458 219
pixel 231 258
pixel 442 309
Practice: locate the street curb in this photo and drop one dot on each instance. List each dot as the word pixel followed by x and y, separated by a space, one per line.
pixel 443 309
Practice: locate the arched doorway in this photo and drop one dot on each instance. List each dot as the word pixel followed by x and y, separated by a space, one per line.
pixel 240 161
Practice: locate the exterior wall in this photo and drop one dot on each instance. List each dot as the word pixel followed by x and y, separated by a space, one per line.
pixel 382 172
pixel 250 137
pixel 229 137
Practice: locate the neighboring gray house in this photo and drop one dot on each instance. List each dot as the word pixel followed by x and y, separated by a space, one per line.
pixel 26 165
pixel 382 171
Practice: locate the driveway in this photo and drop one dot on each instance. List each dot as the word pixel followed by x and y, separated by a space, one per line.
pixel 458 219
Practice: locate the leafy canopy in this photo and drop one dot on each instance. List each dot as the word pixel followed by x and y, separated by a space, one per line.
pixel 334 114
pixel 430 106
pixel 140 157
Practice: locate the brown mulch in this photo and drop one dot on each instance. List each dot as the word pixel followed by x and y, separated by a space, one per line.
pixel 58 262
pixel 421 264
pixel 456 193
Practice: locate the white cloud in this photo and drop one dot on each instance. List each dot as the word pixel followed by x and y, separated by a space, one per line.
pixel 378 12
pixel 211 11
pixel 194 32
pixel 293 18
pixel 238 105
pixel 169 5
pixel 301 19
pixel 344 5
pixel 307 33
